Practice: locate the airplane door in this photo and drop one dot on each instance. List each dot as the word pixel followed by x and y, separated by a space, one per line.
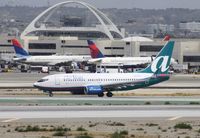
pixel 147 82
pixel 57 80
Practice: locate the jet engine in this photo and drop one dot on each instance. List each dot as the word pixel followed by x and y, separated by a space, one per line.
pixel 93 90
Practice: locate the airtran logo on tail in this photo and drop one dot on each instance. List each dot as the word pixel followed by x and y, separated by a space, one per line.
pixel 160 63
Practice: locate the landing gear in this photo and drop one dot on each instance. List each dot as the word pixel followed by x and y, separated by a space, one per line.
pixel 101 94
pixel 50 94
pixel 109 94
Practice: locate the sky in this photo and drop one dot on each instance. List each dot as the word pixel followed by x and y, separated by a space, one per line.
pixel 144 4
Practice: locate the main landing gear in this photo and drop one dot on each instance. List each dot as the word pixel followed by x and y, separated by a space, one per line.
pixel 101 94
pixel 108 94
pixel 50 93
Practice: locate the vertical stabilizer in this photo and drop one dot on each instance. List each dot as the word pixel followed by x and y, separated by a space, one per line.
pixel 160 65
pixel 94 51
pixel 19 50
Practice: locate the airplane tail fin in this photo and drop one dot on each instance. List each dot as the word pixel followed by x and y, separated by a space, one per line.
pixel 160 65
pixel 94 51
pixel 166 38
pixel 19 50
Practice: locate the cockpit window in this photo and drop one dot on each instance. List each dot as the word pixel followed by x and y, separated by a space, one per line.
pixel 43 80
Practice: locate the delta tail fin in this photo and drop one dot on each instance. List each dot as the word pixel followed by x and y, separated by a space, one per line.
pixel 94 51
pixel 19 50
pixel 160 65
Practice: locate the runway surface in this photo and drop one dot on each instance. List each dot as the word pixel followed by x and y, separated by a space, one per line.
pixel 145 111
pixel 94 98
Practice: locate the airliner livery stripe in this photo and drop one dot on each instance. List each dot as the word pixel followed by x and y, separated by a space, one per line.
pixel 162 75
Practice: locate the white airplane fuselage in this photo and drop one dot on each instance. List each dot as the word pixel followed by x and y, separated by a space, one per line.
pixel 72 82
pixel 51 60
pixel 124 60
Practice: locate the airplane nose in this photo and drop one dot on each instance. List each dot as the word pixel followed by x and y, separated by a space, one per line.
pixel 36 85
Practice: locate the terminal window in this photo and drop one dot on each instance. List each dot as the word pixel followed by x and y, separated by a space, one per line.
pixel 150 48
pixel 70 46
pixel 191 58
pixel 40 53
pixel 113 55
pixel 114 48
pixel 5 45
pixel 42 46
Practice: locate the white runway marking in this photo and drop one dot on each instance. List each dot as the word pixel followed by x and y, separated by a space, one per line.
pixel 12 113
pixel 92 98
pixel 99 114
pixel 10 120
pixel 174 118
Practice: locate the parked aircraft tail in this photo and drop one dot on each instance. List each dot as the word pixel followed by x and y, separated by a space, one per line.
pixel 94 51
pixel 19 50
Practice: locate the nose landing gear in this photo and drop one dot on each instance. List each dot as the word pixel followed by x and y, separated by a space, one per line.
pixel 50 93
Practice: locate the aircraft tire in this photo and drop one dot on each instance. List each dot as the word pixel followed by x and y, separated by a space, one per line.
pixel 50 94
pixel 109 94
pixel 100 94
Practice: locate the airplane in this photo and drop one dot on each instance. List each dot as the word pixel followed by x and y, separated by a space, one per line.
pixel 99 58
pixel 50 60
pixel 99 83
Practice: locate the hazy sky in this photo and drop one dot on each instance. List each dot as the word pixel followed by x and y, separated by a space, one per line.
pixel 145 4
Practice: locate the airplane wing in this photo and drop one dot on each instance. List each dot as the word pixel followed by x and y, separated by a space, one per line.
pixel 136 63
pixel 93 61
pixel 125 64
pixel 121 85
pixel 20 59
pixel 67 63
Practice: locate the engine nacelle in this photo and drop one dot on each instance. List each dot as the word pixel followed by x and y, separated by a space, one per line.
pixel 94 90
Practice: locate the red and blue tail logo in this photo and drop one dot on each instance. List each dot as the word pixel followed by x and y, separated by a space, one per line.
pixel 94 51
pixel 18 48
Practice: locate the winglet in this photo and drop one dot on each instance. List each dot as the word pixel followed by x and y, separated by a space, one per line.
pixel 19 49
pixel 94 51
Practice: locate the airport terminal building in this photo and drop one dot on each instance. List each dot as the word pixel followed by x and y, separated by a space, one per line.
pixel 59 30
